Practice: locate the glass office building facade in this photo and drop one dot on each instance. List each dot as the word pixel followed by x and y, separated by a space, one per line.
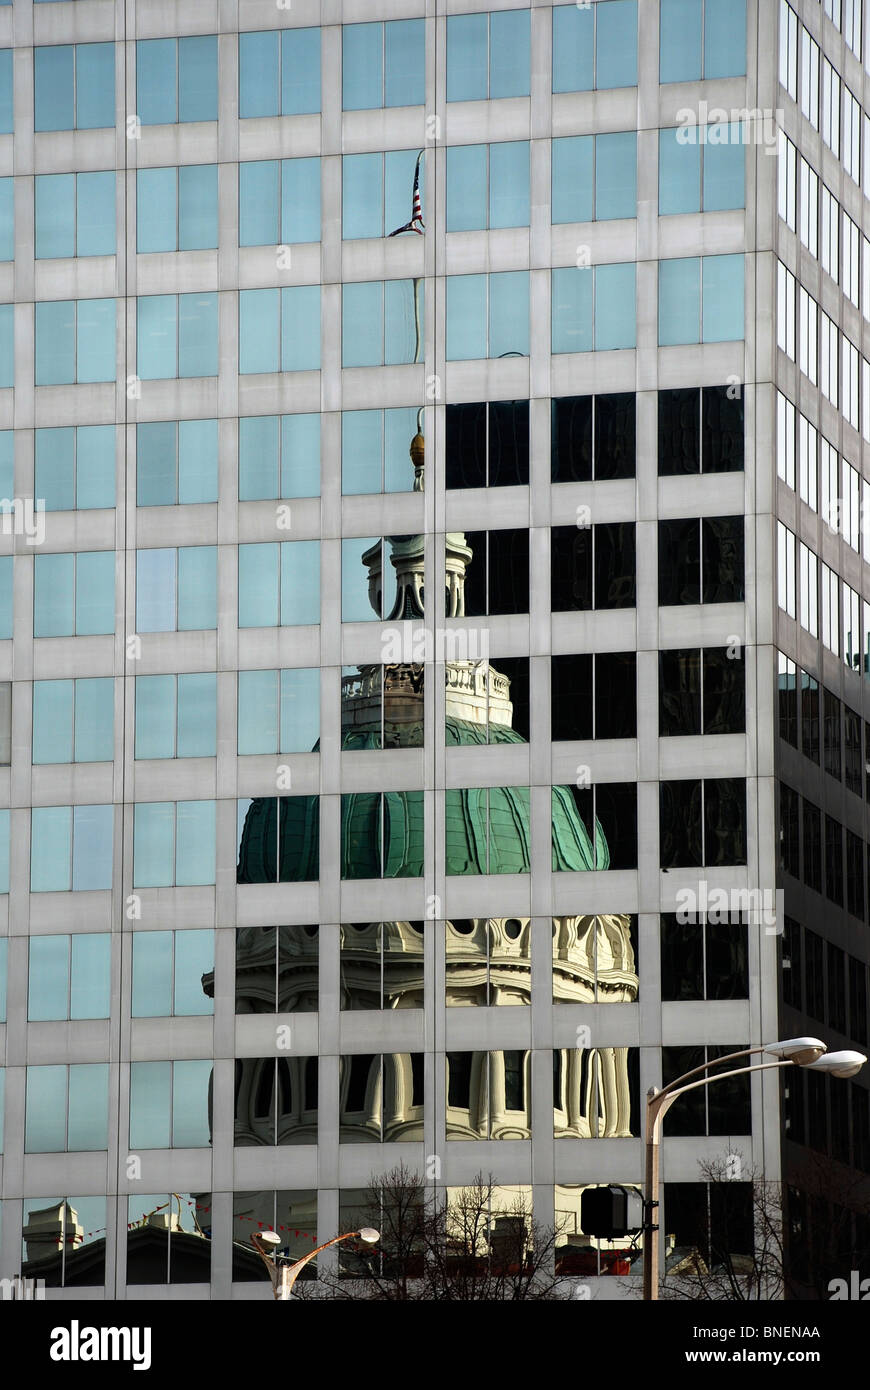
pixel 421 404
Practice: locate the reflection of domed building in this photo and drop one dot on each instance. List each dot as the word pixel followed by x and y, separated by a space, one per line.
pixel 488 960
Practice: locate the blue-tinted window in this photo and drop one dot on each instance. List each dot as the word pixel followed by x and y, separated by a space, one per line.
pixel 594 176
pixel 383 64
pixel 381 323
pixel 593 308
pixel 73 720
pixel 75 341
pixel 375 448
pixel 6 103
pixel 279 456
pixel 74 595
pixel 680 301
pixel 701 169
pixel 168 970
pixel 67 1108
pixel 173 843
pixel 722 288
pixel 169 1105
pixel 279 711
pixel 279 202
pixel 279 73
pixel 176 716
pixel 615 311
pixel 701 300
pixel 724 178
pixel 487 186
pixel 176 335
pixel 488 55
pixel 702 39
pixel 488 315
pixel 69 977
pixel 279 330
pixel 176 80
pixel 176 462
pixel 70 848
pixel 377 192
pixel 7 220
pixel 74 214
pixel 74 467
pixel 176 590
pixel 176 209
pixel 74 86
pixel 360 557
pixel 279 584
pixel 595 46
pixel 679 173
pixel 3 969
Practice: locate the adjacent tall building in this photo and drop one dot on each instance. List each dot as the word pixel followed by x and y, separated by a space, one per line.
pixel 432 675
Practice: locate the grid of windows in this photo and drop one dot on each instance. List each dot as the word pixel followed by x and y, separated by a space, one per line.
pixel 332 510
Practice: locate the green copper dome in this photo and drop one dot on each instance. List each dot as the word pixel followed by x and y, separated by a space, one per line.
pixel 279 841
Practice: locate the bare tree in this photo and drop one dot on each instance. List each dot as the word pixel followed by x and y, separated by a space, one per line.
pixel 721 1268
pixel 803 1236
pixel 477 1244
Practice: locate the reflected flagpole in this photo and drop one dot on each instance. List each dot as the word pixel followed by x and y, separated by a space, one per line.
pixel 417 225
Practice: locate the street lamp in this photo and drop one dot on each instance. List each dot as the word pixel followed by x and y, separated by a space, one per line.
pixel 809 1053
pixel 283 1277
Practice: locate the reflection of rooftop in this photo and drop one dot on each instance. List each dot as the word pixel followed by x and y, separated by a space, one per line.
pixel 83 1262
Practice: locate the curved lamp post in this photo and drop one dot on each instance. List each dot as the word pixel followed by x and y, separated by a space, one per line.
pixel 283 1277
pixel 809 1053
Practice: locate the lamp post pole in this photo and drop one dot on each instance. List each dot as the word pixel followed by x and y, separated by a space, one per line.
pixel 802 1052
pixel 283 1277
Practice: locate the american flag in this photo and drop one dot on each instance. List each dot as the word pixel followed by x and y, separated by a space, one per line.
pixel 416 223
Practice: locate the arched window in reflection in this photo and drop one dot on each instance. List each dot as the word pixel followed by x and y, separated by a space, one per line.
pixel 489 1095
pixel 595 959
pixel 488 961
pixel 596 1093
pixel 275 1101
pixel 277 969
pixel 381 1098
pixel 381 965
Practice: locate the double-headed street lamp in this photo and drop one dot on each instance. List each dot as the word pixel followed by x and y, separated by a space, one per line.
pixel 809 1053
pixel 284 1276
